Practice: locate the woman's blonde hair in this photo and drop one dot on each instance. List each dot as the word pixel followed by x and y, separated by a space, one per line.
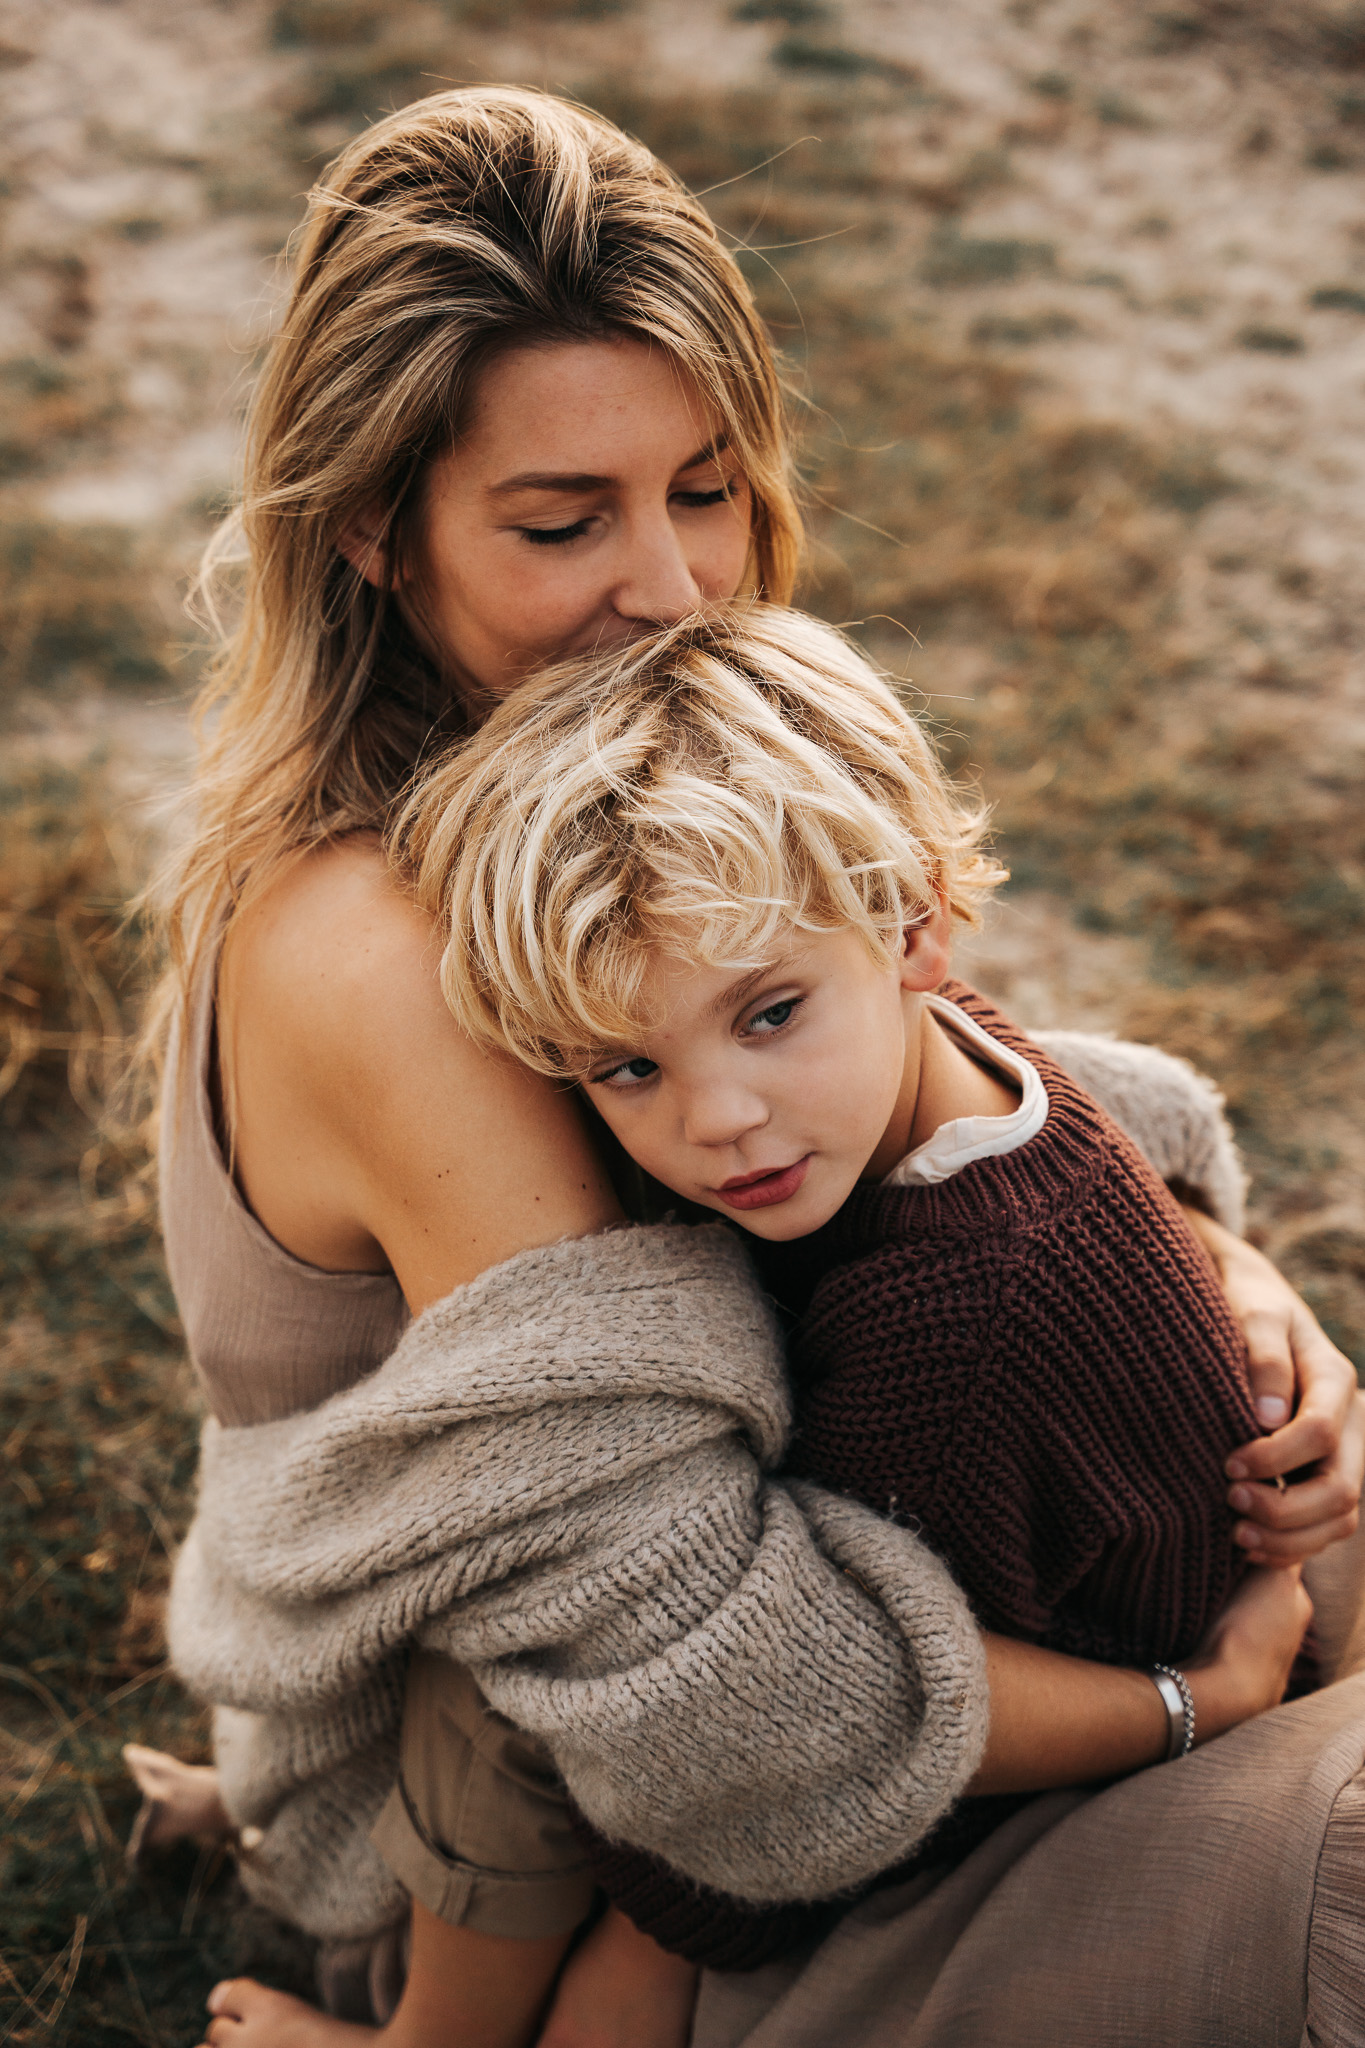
pixel 725 780
pixel 466 223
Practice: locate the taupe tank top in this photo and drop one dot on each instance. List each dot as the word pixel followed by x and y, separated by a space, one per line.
pixel 268 1334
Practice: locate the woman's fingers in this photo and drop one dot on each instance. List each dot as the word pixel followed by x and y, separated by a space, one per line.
pixel 1286 1524
pixel 1321 1426
pixel 1295 1546
pixel 1292 1365
pixel 1327 1426
pixel 1325 1379
pixel 1249 1651
pixel 1327 1497
pixel 1266 1328
pixel 1264 1305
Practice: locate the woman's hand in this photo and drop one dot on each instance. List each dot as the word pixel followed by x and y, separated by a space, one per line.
pixel 1306 1395
pixel 1243 1664
pixel 621 1990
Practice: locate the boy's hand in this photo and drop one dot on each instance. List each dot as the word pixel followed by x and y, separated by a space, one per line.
pixel 1306 1395
pixel 621 1990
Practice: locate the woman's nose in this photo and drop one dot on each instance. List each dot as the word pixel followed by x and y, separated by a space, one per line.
pixel 657 585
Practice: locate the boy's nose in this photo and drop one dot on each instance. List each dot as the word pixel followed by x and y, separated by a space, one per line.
pixel 714 1116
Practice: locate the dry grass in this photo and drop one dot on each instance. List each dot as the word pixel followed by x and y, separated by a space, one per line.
pixel 97 1445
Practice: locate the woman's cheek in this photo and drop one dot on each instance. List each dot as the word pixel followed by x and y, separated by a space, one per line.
pixel 724 573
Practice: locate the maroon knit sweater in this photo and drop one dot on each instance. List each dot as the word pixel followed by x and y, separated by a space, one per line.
pixel 1033 1366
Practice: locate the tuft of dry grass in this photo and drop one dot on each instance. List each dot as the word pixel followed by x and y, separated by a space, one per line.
pixel 69 865
pixel 44 405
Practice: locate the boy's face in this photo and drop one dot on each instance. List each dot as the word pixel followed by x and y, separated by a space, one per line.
pixel 768 1095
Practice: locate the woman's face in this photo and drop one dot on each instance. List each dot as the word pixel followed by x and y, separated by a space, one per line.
pixel 585 505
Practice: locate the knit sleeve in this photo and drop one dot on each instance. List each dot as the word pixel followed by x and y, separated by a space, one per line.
pixel 693 1920
pixel 923 1400
pixel 1172 1112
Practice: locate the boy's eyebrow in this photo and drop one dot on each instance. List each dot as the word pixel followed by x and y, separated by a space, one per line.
pixel 586 480
pixel 739 991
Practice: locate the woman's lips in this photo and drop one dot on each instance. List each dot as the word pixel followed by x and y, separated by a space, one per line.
pixel 761 1190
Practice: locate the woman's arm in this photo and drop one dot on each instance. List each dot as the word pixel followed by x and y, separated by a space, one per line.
pixel 1054 1721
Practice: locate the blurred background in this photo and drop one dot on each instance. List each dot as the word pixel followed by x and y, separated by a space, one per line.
pixel 1072 294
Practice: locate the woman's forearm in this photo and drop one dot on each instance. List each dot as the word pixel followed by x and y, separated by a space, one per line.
pixel 1057 1721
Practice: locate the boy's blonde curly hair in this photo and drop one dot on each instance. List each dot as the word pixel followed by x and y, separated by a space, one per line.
pixel 732 775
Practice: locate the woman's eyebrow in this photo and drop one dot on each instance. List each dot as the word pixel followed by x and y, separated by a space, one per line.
pixel 584 480
pixel 537 480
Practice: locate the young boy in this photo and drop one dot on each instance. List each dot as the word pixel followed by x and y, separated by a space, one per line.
pixel 715 887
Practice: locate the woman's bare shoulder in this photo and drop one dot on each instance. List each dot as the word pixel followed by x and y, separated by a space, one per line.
pixel 324 932
pixel 362 1112
pixel 329 983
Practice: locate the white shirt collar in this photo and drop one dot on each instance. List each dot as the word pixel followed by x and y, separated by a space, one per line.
pixel 969 1138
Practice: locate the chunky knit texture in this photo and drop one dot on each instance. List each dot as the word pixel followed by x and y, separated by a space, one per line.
pixel 1032 1365
pixel 1172 1113
pixel 558 1478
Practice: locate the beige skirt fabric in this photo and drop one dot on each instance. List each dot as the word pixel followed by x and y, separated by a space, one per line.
pixel 1218 1902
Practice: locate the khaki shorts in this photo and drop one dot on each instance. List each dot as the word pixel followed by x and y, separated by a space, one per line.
pixel 477 1827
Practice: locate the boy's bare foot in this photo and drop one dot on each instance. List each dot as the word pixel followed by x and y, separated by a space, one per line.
pixel 179 1802
pixel 248 2015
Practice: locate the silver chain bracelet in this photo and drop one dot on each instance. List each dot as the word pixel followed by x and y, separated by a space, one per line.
pixel 1178 1701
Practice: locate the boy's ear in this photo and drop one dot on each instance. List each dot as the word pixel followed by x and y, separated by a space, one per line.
pixel 361 541
pixel 926 949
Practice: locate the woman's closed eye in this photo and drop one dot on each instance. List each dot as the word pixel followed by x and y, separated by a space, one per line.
pixel 696 499
pixel 554 536
pixel 629 1074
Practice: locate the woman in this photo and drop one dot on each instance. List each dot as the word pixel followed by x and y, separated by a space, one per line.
pixel 520 405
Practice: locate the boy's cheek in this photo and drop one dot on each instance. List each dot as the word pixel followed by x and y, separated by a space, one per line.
pixel 662 1161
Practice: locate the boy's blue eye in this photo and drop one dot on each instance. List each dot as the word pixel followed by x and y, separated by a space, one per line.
pixel 775 1016
pixel 628 1074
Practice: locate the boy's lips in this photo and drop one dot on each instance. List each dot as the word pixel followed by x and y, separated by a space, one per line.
pixel 761 1190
